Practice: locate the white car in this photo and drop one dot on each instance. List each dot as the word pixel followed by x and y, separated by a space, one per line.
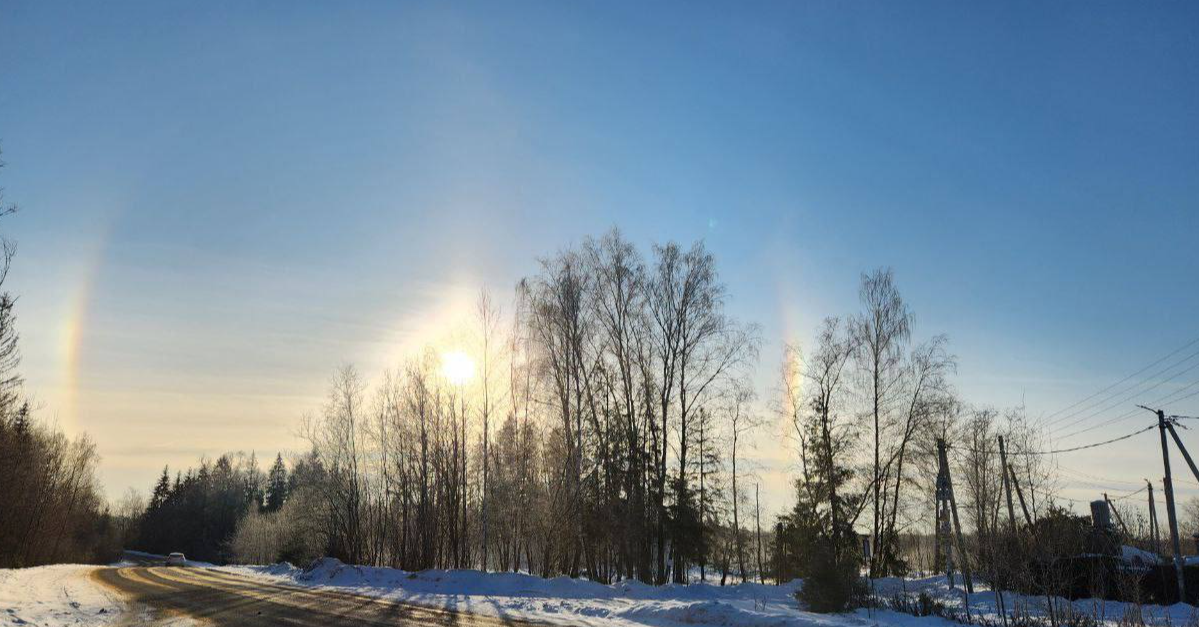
pixel 176 559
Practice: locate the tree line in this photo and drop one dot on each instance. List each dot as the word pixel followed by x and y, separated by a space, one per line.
pixel 51 507
pixel 589 442
pixel 603 434
pixel 866 410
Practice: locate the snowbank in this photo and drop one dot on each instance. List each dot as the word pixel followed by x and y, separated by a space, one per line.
pixel 984 602
pixel 563 600
pixel 579 602
pixel 56 595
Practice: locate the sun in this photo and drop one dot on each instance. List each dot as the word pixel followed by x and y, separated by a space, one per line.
pixel 457 367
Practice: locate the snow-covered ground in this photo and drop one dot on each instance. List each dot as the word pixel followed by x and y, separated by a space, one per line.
pixel 561 600
pixel 56 595
pixel 576 602
pixel 984 602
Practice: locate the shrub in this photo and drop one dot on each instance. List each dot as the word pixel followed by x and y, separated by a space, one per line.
pixel 832 585
pixel 921 605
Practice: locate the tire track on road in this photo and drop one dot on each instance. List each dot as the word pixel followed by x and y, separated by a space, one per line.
pixel 226 600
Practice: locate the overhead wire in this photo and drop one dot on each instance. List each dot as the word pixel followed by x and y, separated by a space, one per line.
pixel 1169 398
pixel 1062 450
pixel 1104 397
pixel 1096 479
pixel 1129 495
pixel 1128 398
pixel 1077 403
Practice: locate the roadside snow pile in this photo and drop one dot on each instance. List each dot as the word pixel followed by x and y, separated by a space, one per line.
pixel 56 595
pixel 983 602
pixel 324 570
pixel 561 600
pixel 579 602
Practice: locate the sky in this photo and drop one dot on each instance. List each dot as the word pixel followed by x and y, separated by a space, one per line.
pixel 224 202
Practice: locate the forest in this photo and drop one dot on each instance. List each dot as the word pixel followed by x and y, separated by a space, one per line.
pixel 605 435
pixel 600 423
pixel 53 508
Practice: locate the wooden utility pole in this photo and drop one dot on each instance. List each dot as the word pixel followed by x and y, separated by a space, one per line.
pixel 1020 494
pixel 1181 448
pixel 946 495
pixel 937 526
pixel 1112 506
pixel 1170 511
pixel 943 543
pixel 1007 486
pixel 758 531
pixel 1157 547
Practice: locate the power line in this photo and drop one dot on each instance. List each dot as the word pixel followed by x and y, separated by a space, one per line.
pixel 1051 496
pixel 1130 494
pixel 1135 391
pixel 1064 450
pixel 1095 480
pixel 1077 403
pixel 1169 398
pixel 1196 392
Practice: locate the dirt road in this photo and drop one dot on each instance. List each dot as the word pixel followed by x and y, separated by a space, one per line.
pixel 217 598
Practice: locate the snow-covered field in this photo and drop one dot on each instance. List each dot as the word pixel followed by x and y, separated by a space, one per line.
pixel 984 602
pixel 56 595
pixel 575 602
pixel 561 600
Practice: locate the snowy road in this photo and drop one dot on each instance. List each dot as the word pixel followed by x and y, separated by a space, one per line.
pixel 57 595
pixel 139 593
pixel 226 599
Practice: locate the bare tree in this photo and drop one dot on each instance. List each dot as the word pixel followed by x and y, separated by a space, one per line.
pixel 699 346
pixel 489 321
pixel 881 333
pixel 337 437
pixel 743 421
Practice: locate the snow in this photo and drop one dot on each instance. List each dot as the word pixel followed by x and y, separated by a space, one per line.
pixel 984 602
pixel 1138 557
pixel 579 602
pixel 56 595
pixel 560 600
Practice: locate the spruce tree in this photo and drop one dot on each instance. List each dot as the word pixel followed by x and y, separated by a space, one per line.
pixel 276 486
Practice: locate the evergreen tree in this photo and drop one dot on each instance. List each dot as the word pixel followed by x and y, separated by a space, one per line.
pixel 276 486
pixel 816 540
pixel 161 490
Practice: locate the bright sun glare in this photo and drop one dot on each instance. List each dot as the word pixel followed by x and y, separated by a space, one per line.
pixel 457 367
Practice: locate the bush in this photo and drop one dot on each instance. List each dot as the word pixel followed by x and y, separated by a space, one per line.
pixel 921 605
pixel 833 585
pixel 287 535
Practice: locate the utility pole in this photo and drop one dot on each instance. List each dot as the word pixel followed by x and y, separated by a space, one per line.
pixel 758 531
pixel 1007 486
pixel 946 496
pixel 1157 547
pixel 937 527
pixel 1112 506
pixel 1020 493
pixel 1181 448
pixel 944 531
pixel 1170 511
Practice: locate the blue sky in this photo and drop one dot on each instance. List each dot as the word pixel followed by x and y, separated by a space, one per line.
pixel 223 202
